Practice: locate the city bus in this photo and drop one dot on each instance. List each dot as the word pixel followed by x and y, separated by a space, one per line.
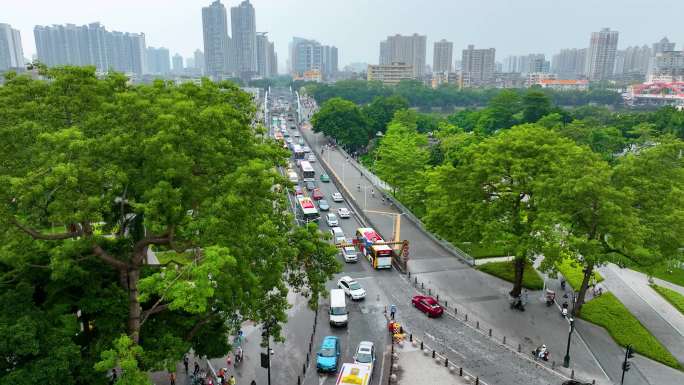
pixel 308 173
pixel 379 255
pixel 298 151
pixel 307 209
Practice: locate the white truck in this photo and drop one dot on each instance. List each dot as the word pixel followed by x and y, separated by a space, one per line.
pixel 354 374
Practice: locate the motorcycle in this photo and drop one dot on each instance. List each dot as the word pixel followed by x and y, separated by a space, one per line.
pixel 550 297
pixel 538 353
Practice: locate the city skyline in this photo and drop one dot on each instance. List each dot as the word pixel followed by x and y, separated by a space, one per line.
pixel 181 29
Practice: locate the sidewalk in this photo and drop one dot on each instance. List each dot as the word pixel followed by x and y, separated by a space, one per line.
pixel 416 367
pixel 653 311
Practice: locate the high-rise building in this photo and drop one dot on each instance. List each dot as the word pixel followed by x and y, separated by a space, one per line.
pixel 443 55
pixel 663 45
pixel 478 66
pixel 190 63
pixel 601 54
pixel 329 61
pixel 405 49
pixel 510 64
pixel 569 63
pixel 91 45
pixel 158 61
pixel 668 66
pixel 11 51
pixel 177 63
pixel 244 38
pixel 267 63
pixel 216 41
pixel 310 57
pixel 199 60
pixel 636 60
pixel 272 60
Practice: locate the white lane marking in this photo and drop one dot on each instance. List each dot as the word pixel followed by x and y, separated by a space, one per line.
pixel 322 379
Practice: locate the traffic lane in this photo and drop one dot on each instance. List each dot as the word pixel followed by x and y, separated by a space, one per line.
pixel 366 323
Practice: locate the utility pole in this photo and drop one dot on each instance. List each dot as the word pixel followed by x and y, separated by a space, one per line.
pixel 566 359
pixel 629 353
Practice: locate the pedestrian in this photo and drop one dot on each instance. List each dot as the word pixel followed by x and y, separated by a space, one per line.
pixel 373 193
pixel 232 381
pixel 393 310
pixel 229 360
pixel 253 382
pixel 112 379
pixel 196 370
pixel 525 297
pixel 186 362
pixel 172 378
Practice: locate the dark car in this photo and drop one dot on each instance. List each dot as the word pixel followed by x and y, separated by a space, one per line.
pixel 427 305
pixel 310 186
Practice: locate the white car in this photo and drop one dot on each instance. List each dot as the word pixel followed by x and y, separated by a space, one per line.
pixel 365 354
pixel 331 220
pixel 343 212
pixel 352 288
pixel 349 254
pixel 337 197
pixel 306 149
pixel 311 158
pixel 289 140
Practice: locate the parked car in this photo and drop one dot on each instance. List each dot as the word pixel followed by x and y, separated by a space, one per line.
pixel 337 197
pixel 328 355
pixel 365 354
pixel 325 178
pixel 343 212
pixel 317 194
pixel 323 205
pixel 351 288
pixel 310 186
pixel 349 254
pixel 427 305
pixel 331 220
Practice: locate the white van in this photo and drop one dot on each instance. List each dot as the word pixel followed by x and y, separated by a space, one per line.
pixel 338 235
pixel 338 308
pixel 293 177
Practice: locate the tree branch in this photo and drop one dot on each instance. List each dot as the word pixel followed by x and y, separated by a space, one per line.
pixel 198 326
pixel 35 234
pixel 100 252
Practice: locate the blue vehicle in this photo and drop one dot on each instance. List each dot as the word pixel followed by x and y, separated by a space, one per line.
pixel 328 354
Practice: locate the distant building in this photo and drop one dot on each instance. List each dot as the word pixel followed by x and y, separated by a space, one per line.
pixel 569 63
pixel 668 67
pixel 330 63
pixel 244 38
pixel 663 45
pixel 216 41
pixel 633 60
pixel 390 74
pixel 199 60
pixel 177 63
pixel 564 84
pixel 601 54
pixel 405 49
pixel 158 61
pixel 11 51
pixel 443 55
pixel 91 44
pixel 266 62
pixel 309 56
pixel 532 78
pixel 478 67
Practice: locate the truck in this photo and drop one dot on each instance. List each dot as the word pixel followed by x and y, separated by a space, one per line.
pixel 354 374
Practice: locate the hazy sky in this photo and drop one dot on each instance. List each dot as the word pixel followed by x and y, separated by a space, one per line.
pixel 357 26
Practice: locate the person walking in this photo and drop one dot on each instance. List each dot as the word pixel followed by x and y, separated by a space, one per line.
pixel 196 370
pixel 186 363
pixel 393 310
pixel 172 378
pixel 232 380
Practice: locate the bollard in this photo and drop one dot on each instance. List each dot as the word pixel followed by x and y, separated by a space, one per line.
pixel 299 380
pixel 429 291
pixel 460 372
pixel 415 280
pixel 466 317
pixel 421 345
pixel 504 340
pixel 490 332
pixel 303 369
pixel 409 275
pixel 309 346
pixel 307 358
pixel 446 304
pixel 446 362
pixel 433 353
pixel 437 297
pixel 572 374
pixel 477 380
pixel 519 348
pixel 593 382
pixel 455 310
pixel 477 325
pixel 422 285
pixel 411 337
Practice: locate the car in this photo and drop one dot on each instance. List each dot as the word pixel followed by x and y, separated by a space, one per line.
pixel 283 129
pixel 427 305
pixel 298 190
pixel 352 288
pixel 288 139
pixel 343 212
pixel 311 158
pixel 310 185
pixel 337 197
pixel 328 355
pixel 325 178
pixel 349 253
pixel 317 195
pixel 365 354
pixel 306 149
pixel 301 141
pixel 338 235
pixel 331 220
pixel 287 135
pixel 323 205
pixel 296 134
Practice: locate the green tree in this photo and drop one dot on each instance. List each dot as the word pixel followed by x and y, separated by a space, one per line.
pixel 381 110
pixel 98 174
pixel 535 104
pixel 344 121
pixel 500 112
pixel 490 192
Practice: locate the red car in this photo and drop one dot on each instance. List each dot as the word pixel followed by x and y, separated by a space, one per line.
pixel 317 194
pixel 427 305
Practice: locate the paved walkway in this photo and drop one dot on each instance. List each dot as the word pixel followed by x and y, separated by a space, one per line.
pixel 653 311
pixel 416 367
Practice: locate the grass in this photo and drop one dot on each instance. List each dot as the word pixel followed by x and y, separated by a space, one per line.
pixel 505 270
pixel 165 257
pixel 572 271
pixel 480 250
pixel 607 311
pixel 670 274
pixel 673 297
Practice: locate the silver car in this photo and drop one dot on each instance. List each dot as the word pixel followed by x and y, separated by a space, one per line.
pixel 365 354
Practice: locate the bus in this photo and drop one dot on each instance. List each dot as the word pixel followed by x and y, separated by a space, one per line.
pixel 307 209
pixel 298 151
pixel 308 173
pixel 379 255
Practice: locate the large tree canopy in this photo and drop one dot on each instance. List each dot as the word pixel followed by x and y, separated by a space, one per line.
pixel 344 121
pixel 97 176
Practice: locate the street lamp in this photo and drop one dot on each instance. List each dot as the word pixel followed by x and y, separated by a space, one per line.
pixel 566 359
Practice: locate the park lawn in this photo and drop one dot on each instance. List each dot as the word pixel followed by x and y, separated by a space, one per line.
pixel 671 296
pixel 607 311
pixel 481 250
pixel 165 257
pixel 505 270
pixel 672 275
pixel 572 271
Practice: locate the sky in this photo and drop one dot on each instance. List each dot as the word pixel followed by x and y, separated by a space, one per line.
pixel 513 27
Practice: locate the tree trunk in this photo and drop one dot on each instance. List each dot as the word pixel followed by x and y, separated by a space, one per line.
pixel 134 310
pixel 577 307
pixel 519 266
